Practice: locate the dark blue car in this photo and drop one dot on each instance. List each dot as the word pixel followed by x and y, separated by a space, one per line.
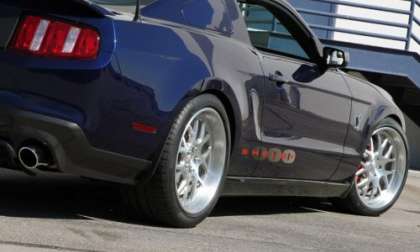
pixel 187 100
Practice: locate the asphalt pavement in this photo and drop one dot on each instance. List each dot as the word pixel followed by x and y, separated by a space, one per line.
pixel 61 213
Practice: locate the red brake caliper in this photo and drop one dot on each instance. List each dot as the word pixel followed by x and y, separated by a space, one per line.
pixel 360 166
pixel 358 178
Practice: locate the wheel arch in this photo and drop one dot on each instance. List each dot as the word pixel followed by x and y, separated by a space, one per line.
pixel 387 112
pixel 224 92
pixel 396 118
pixel 394 113
pixel 380 111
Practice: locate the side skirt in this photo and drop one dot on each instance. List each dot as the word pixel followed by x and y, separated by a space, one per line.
pixel 248 186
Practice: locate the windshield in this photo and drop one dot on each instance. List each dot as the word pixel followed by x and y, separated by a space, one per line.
pixel 122 5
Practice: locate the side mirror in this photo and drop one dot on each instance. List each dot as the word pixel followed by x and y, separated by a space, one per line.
pixel 335 57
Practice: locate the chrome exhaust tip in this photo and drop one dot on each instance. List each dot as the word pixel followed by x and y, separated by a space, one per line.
pixel 32 157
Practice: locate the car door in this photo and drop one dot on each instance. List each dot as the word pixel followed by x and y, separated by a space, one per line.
pixel 305 108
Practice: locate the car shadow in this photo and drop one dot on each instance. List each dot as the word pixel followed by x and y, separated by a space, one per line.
pixel 243 206
pixel 62 197
pixel 56 197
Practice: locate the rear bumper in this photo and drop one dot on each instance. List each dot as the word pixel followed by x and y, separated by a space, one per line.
pixel 69 147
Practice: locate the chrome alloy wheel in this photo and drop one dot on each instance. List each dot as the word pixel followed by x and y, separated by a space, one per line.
pixel 200 160
pixel 381 174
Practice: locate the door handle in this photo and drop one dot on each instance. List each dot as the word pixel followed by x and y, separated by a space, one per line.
pixel 278 78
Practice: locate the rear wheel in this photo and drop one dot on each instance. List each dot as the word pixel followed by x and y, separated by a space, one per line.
pixel 381 176
pixel 191 169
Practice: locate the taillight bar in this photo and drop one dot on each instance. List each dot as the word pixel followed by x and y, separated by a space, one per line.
pixel 51 38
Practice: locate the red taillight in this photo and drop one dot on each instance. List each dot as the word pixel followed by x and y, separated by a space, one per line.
pixel 45 37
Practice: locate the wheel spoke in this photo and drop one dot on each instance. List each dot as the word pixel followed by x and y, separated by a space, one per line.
pixel 199 180
pixel 194 185
pixel 180 166
pixel 196 126
pixel 205 166
pixel 386 182
pixel 182 189
pixel 205 139
pixel 385 161
pixel 360 172
pixel 370 150
pixel 383 146
pixel 179 170
pixel 184 142
pixel 189 134
pixel 387 173
pixel 178 177
pixel 364 190
pixel 202 183
pixel 184 145
pixel 202 131
pixel 378 190
pixel 379 143
pixel 363 183
pixel 372 146
pixel 389 152
pixel 373 192
pixel 206 154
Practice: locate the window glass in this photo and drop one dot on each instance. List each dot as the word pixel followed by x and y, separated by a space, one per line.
pixel 267 32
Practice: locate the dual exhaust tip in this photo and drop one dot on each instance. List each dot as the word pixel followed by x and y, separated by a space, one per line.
pixel 33 157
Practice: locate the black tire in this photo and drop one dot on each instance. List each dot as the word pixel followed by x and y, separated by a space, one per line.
pixel 352 202
pixel 157 200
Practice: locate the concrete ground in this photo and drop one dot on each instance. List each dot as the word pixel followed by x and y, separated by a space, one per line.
pixel 69 214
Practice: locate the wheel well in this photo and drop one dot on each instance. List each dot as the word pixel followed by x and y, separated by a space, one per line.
pixel 229 110
pixel 396 118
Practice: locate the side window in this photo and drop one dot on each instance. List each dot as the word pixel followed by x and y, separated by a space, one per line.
pixel 212 15
pixel 268 33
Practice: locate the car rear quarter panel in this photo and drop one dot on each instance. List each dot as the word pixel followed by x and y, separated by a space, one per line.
pixel 175 63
